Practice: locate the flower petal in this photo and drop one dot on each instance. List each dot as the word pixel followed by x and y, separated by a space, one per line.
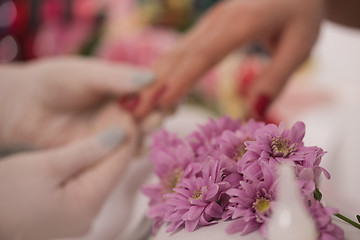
pixel 191 225
pixel 236 226
pixel 214 210
pixel 213 190
pixel 174 226
pixel 193 213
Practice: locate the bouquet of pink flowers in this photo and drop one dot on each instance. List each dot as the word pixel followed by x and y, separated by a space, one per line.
pixel 227 170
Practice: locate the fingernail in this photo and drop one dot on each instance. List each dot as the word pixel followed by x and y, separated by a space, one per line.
pixel 129 102
pixel 261 104
pixel 112 137
pixel 152 121
pixel 159 93
pixel 143 78
pixel 246 79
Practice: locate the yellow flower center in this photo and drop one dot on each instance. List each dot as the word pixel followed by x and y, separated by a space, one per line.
pixel 280 147
pixel 239 153
pixel 261 205
pixel 171 179
pixel 240 150
pixel 197 194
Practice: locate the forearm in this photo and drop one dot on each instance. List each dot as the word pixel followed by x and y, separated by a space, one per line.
pixel 345 12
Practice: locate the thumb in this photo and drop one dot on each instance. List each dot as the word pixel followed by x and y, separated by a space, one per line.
pixel 67 162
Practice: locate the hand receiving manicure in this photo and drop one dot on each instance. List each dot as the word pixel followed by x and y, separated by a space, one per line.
pixel 56 193
pixel 57 105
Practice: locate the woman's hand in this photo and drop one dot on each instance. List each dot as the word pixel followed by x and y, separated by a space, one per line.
pixel 50 102
pixel 56 193
pixel 289 28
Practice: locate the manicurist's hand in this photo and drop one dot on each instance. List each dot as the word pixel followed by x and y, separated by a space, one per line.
pixel 54 101
pixel 288 28
pixel 57 192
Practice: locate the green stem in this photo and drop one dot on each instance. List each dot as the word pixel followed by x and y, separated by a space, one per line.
pixel 342 217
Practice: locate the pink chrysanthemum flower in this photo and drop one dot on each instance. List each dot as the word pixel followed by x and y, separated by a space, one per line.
pixel 197 201
pixel 168 183
pixel 276 142
pixel 204 141
pixel 171 157
pixel 252 203
pixel 309 170
pixel 322 216
pixel 232 143
pixel 227 170
pixel 249 128
pixel 173 160
pixel 164 141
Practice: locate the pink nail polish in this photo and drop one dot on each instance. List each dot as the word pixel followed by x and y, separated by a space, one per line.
pixel 129 102
pixel 261 105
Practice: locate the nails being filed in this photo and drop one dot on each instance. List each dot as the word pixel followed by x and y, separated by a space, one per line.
pixel 112 137
pixel 261 105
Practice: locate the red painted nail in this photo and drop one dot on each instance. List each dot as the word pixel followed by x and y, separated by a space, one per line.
pixel 272 119
pixel 261 105
pixel 129 102
pixel 159 94
pixel 246 78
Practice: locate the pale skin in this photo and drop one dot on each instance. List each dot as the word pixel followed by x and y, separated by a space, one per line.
pixel 287 28
pixel 66 110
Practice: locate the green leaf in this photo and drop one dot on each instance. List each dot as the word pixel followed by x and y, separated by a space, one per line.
pixel 358 218
pixel 317 194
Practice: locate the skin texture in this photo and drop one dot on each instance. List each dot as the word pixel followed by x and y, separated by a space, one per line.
pixel 67 111
pixel 287 28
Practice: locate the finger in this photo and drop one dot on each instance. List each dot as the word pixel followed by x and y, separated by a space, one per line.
pixel 152 121
pixel 293 48
pixel 67 162
pixel 166 65
pixel 95 184
pixel 102 177
pixel 206 46
pixel 210 47
pixel 118 79
pixel 103 77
